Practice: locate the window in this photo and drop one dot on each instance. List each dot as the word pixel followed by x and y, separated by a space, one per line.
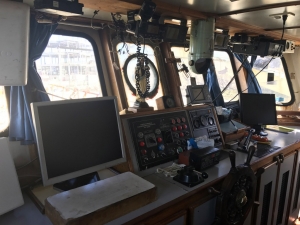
pixel 272 79
pixel 225 73
pixel 223 68
pixel 127 62
pixel 68 68
pixel 4 117
pixel 181 53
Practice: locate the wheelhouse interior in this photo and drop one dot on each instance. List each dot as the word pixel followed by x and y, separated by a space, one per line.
pixel 163 60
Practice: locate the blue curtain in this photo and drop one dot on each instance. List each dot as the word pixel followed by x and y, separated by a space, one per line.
pixel 213 85
pixel 253 85
pixel 21 124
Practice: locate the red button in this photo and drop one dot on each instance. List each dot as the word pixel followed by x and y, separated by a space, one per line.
pixel 144 151
pixel 159 139
pixel 173 121
pixel 142 144
pixel 178 120
pixel 183 119
pixel 181 134
pixel 184 126
pixel 179 127
pixel 174 128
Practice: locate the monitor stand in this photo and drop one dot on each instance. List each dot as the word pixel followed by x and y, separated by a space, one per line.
pixel 259 130
pixel 77 182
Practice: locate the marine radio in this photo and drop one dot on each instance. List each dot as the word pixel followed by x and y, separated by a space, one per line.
pixel 138 24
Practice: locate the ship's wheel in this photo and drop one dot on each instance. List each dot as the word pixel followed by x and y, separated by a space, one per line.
pixel 237 193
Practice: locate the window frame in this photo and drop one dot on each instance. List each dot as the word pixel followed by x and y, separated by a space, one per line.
pixel 96 53
pixel 289 83
pixel 234 69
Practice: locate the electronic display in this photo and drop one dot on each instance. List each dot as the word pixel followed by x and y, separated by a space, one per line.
pixel 77 137
pixel 197 94
pixel 258 109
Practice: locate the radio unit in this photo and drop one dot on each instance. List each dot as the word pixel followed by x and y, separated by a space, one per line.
pixel 204 158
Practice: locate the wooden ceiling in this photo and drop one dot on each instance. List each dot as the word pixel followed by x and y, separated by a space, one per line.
pixel 232 16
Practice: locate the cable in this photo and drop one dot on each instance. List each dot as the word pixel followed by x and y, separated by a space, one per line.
pixel 21 167
pixel 92 20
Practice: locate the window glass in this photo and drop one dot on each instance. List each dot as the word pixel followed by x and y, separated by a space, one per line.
pixel 125 52
pixel 182 53
pixel 225 73
pixel 272 79
pixel 68 68
pixel 4 117
pixel 223 68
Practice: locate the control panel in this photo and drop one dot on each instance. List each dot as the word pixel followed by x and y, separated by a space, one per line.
pixel 158 139
pixel 204 123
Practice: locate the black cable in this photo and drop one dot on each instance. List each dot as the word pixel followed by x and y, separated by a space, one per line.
pixel 284 17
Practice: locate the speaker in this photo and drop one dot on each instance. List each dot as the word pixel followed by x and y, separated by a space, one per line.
pixel 165 102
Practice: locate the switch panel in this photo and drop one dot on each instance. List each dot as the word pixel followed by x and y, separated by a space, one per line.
pixel 158 139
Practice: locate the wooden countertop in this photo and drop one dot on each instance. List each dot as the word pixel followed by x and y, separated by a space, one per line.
pixel 171 193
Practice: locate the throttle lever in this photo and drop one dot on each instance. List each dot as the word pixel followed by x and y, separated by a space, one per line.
pixel 232 160
pixel 251 152
pixel 248 138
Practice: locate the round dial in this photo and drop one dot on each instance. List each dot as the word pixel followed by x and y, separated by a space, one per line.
pixel 196 124
pixel 157 131
pixel 203 120
pixel 169 102
pixel 140 135
pixel 210 121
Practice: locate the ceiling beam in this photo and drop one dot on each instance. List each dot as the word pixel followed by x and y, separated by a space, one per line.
pixel 226 23
pixel 286 28
pixel 264 7
pixel 122 6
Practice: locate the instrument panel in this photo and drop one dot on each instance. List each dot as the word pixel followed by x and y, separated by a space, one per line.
pixel 156 140
pixel 204 123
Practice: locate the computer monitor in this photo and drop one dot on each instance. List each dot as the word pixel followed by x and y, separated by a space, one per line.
pixel 258 110
pixel 77 137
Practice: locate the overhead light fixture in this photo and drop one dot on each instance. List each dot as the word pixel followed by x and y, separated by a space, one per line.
pixel 59 7
pixel 279 15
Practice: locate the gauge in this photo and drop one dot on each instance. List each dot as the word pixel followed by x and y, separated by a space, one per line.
pixel 203 120
pixel 169 102
pixel 210 121
pixel 196 124
pixel 140 135
pixel 157 131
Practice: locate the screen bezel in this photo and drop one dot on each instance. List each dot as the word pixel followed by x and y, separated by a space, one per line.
pixel 36 122
pixel 253 122
pixel 202 88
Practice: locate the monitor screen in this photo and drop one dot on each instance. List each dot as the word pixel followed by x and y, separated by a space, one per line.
pixel 198 94
pixel 258 109
pixel 77 137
